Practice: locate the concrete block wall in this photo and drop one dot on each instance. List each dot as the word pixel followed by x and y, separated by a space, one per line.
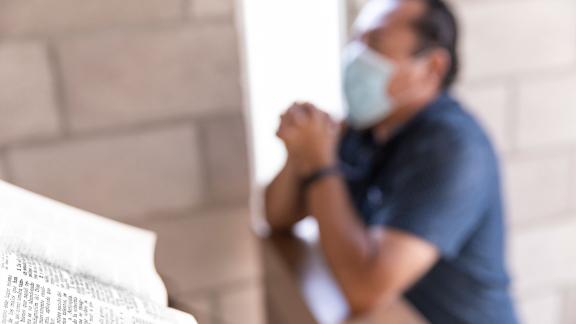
pixel 519 79
pixel 133 109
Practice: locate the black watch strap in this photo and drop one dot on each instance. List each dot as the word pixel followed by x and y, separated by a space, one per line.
pixel 319 175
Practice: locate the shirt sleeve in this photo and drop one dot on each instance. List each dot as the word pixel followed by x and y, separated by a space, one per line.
pixel 441 196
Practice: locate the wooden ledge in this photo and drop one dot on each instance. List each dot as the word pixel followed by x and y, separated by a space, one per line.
pixel 301 289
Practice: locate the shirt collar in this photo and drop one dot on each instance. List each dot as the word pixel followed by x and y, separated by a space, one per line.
pixel 443 99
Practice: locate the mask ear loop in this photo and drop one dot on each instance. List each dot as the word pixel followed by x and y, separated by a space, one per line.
pixel 405 95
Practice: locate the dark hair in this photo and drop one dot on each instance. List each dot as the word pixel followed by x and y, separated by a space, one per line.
pixel 438 28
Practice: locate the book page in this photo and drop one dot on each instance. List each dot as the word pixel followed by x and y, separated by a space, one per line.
pixel 80 242
pixel 32 291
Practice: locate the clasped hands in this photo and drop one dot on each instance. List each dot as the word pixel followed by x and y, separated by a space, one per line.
pixel 311 138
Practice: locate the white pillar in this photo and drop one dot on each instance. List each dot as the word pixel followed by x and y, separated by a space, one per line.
pixel 291 52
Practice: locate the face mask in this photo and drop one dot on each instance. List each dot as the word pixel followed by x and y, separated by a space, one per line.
pixel 367 75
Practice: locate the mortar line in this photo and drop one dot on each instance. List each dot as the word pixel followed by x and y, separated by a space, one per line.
pixel 6 166
pixel 200 138
pixel 85 33
pixel 58 89
pixel 121 130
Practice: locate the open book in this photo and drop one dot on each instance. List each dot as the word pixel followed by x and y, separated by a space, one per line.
pixel 59 264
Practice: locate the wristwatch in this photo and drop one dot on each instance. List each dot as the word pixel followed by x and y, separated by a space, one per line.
pixel 319 175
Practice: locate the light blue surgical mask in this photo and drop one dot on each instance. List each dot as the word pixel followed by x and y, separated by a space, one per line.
pixel 366 77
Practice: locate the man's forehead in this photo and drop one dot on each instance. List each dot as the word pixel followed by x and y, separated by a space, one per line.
pixel 376 14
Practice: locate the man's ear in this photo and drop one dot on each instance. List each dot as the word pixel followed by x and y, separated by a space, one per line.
pixel 438 63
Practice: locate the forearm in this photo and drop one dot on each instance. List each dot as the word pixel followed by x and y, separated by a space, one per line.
pixel 373 267
pixel 347 245
pixel 284 200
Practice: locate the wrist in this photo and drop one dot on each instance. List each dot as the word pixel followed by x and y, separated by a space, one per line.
pixel 294 167
pixel 319 174
pixel 318 163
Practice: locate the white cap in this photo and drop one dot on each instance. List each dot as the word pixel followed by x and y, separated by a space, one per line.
pixel 372 14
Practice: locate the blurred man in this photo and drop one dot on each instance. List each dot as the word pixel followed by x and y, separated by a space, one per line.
pixel 407 192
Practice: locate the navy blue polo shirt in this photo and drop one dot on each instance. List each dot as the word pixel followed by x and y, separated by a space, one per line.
pixel 438 178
